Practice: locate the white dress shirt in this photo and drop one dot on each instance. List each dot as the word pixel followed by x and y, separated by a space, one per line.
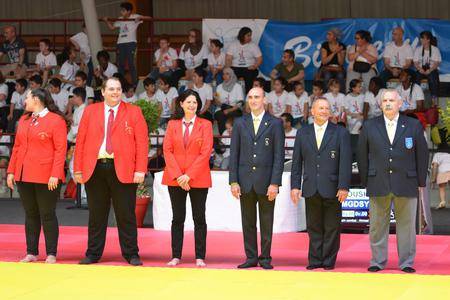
pixel 102 153
pixel 190 126
pixel 42 113
pixel 320 131
pixel 391 127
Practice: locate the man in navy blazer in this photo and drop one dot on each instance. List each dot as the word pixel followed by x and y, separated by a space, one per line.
pixel 392 163
pixel 256 168
pixel 323 159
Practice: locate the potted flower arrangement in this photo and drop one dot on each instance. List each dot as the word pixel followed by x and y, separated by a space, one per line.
pixel 151 112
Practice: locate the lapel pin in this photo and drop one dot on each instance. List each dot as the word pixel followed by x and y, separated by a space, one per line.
pixel 403 125
pixel 265 123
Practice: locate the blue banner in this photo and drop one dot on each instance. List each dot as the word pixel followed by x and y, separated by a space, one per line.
pixel 306 39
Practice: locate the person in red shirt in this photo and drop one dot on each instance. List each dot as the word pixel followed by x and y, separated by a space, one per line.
pixel 111 159
pixel 37 167
pixel 187 148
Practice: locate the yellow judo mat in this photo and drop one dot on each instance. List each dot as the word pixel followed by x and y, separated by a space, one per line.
pixel 60 281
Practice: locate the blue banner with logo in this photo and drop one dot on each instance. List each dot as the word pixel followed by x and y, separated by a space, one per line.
pixel 306 39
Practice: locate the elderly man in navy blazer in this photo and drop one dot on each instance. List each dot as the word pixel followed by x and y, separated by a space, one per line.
pixel 256 168
pixel 323 159
pixel 392 163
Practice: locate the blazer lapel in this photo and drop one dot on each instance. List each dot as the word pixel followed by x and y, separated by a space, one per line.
pixel 401 127
pixel 312 137
pixel 121 112
pixel 249 125
pixel 329 131
pixel 263 125
pixel 382 129
pixel 101 113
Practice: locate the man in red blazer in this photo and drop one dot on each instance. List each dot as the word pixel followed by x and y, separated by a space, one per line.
pixel 111 159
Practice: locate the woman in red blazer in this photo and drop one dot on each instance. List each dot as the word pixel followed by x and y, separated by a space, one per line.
pixel 187 148
pixel 37 166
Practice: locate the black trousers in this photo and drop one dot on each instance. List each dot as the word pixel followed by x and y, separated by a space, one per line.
pixel 40 204
pixel 249 216
pixel 4 111
pixel 198 203
pixel 323 223
pixel 248 75
pixel 101 188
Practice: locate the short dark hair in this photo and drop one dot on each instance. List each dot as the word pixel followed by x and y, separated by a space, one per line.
pixel 354 83
pixel 297 83
pixel 164 79
pixel 216 43
pixel 365 35
pixel 242 33
pixel 45 41
pixel 81 74
pixel 319 84
pixel 56 82
pixel 22 82
pixel 37 79
pixel 200 72
pixel 103 54
pixel 288 117
pixel 282 80
pixel 179 112
pixel 377 81
pixel 127 87
pixel 127 6
pixel 149 81
pixel 290 52
pixel 80 92
pixel 164 37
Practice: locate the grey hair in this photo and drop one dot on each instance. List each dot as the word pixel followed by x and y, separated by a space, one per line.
pixel 336 32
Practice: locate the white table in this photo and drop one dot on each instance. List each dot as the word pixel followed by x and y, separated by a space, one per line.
pixel 223 212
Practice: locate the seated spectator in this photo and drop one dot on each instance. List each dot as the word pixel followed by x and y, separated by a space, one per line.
pixel 216 62
pixel 278 99
pixel 332 54
pixel 35 82
pixel 257 82
pixel 59 95
pixel 290 133
pixel 318 89
pixel 398 55
pixel 223 160
pixel 410 92
pixel 166 96
pixel 299 105
pixel 193 54
pixel 289 69
pixel 229 99
pixel 80 42
pixel 362 58
pixel 156 160
pixel 105 68
pixel 354 105
pixel 81 81
pixel 372 99
pixel 166 59
pixel 45 60
pixel 14 47
pixel 4 159
pixel 150 90
pixel 441 172
pixel 4 107
pixel 17 105
pixel 68 69
pixel 427 59
pixel 205 92
pixel 336 100
pixel 78 101
pixel 129 94
pixel 244 57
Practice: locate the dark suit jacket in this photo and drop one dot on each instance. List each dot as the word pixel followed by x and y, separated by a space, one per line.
pixel 257 161
pixel 396 168
pixel 324 170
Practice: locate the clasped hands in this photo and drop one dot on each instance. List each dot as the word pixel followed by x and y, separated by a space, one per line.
pixel 183 181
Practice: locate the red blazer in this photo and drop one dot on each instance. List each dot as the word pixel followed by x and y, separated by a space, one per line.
pixel 192 161
pixel 39 150
pixel 129 141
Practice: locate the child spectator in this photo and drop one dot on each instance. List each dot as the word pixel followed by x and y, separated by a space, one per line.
pixel 410 92
pixel 35 82
pixel 68 69
pixel 81 81
pixel 223 159
pixel 17 103
pixel 318 88
pixel 278 98
pixel 216 62
pixel 336 100
pixel 372 99
pixel 290 133
pixel 59 96
pixel 80 41
pixel 441 168
pixel 4 107
pixel 105 68
pixel 45 59
pixel 166 96
pixel 166 60
pixel 354 104
pixel 205 92
pixel 78 101
pixel 150 90
pixel 298 99
pixel 129 94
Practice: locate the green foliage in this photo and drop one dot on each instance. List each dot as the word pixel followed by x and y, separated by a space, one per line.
pixel 150 110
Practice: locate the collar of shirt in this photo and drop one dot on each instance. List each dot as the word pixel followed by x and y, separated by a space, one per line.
pixel 395 120
pixel 260 116
pixel 114 108
pixel 42 113
pixel 192 121
pixel 324 126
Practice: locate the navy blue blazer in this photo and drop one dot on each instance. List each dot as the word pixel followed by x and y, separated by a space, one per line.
pixel 399 168
pixel 324 170
pixel 257 161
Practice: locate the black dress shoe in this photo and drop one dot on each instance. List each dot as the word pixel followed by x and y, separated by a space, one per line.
pixel 328 268
pixel 409 270
pixel 248 264
pixel 374 269
pixel 312 267
pixel 265 265
pixel 88 261
pixel 135 261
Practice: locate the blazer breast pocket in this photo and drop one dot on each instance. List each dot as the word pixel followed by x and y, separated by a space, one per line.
pixel 44 135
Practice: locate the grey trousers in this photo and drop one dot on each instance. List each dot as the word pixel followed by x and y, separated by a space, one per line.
pixel 405 210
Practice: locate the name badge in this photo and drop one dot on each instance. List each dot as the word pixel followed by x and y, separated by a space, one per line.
pixel 266 141
pixel 333 154
pixel 408 142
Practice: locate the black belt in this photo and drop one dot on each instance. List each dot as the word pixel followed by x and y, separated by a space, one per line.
pixel 106 160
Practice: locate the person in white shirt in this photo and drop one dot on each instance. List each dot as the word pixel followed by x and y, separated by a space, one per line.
pixel 78 101
pixel 354 105
pixel 223 160
pixel 68 69
pixel 205 92
pixel 216 62
pixel 411 93
pixel 81 81
pixel 290 133
pixel 129 94
pixel 80 41
pixel 150 91
pixel 244 57
pixel 17 105
pixel 299 101
pixel 441 171
pixel 35 82
pixel 4 107
pixel 45 59
pixel 126 42
pixel 372 99
pixel 193 54
pixel 105 68
pixel 166 96
pixel 166 59
pixel 229 99
pixel 60 96
pixel 278 98
pixel 427 59
pixel 336 100
pixel 398 55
